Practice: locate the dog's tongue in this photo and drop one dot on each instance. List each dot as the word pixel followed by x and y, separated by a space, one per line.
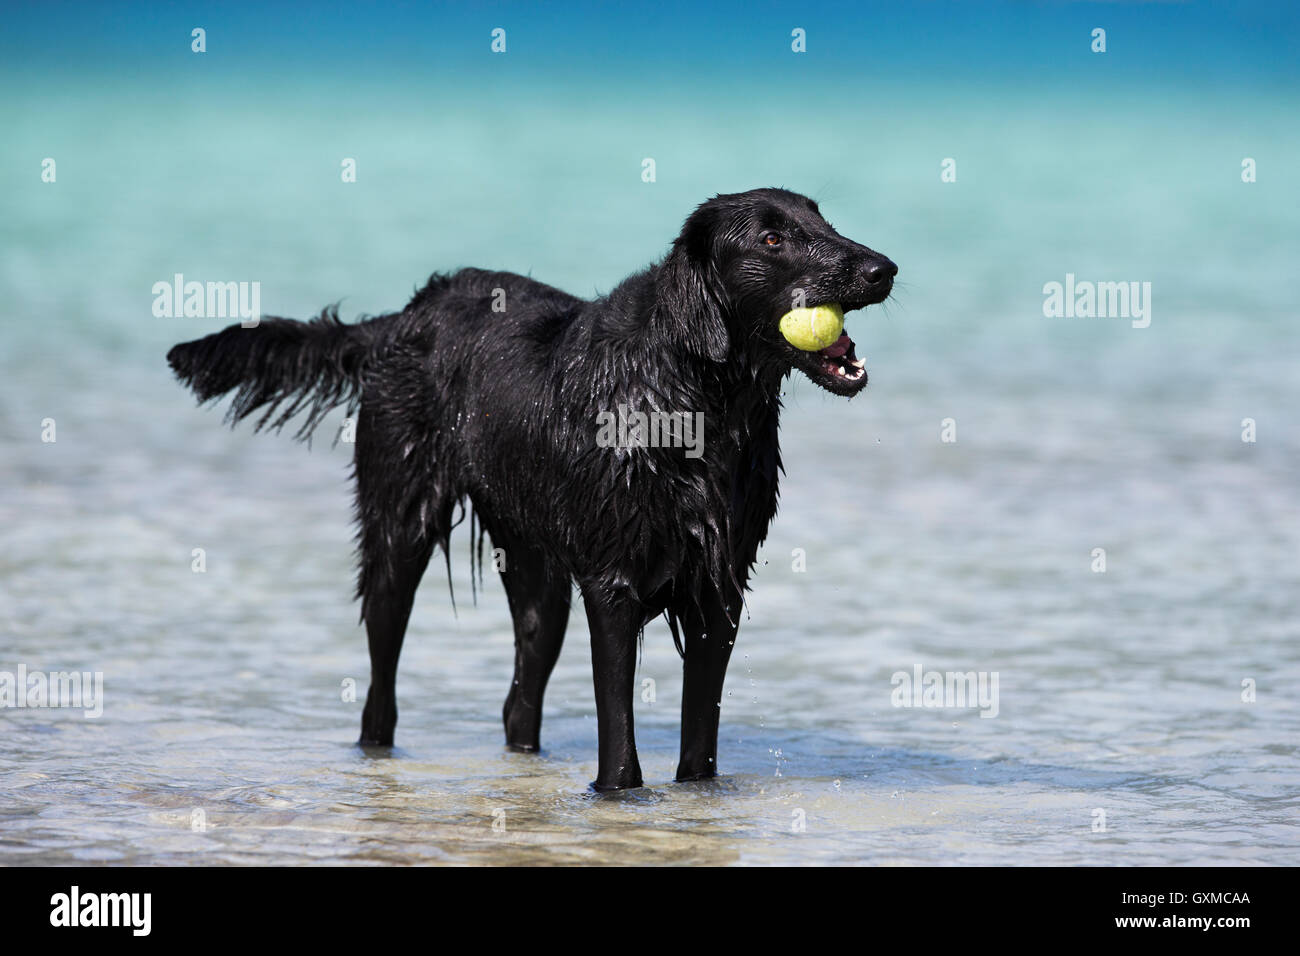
pixel 838 347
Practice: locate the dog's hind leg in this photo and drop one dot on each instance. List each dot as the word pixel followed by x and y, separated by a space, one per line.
pixel 615 618
pixel 709 634
pixel 402 517
pixel 539 603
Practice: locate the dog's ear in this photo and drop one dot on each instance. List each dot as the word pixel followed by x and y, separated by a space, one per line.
pixel 689 297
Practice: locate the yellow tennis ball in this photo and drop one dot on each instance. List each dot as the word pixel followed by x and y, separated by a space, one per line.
pixel 813 329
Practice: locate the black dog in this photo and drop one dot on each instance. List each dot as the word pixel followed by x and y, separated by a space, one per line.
pixel 492 387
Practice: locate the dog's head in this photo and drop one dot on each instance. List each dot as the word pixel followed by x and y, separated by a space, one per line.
pixel 744 260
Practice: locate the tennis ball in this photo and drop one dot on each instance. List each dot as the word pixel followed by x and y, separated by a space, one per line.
pixel 813 329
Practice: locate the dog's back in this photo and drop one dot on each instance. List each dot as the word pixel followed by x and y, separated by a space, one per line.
pixel 480 312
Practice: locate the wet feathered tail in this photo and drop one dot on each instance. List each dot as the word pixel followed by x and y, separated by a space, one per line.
pixel 281 365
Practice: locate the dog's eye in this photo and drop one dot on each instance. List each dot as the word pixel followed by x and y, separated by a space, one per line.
pixel 772 239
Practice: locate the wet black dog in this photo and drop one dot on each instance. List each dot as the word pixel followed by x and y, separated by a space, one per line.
pixel 494 388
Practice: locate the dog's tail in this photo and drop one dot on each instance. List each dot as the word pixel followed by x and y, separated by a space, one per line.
pixel 280 365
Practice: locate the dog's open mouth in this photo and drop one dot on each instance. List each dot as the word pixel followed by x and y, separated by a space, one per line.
pixel 839 360
pixel 835 368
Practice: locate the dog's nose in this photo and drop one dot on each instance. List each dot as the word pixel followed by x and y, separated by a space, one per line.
pixel 879 271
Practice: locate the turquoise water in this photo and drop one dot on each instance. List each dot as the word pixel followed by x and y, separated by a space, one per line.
pixel 1119 691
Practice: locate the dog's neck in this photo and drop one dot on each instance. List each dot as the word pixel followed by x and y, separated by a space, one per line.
pixel 747 393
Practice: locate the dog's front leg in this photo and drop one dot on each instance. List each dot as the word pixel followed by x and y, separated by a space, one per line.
pixel 709 636
pixel 616 619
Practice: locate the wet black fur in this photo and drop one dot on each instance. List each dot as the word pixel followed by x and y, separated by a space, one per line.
pixel 460 403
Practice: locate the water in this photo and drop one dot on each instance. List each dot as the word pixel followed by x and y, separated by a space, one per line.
pixel 226 737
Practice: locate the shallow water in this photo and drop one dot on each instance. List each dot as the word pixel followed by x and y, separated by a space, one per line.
pixel 1117 691
pixel 225 735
